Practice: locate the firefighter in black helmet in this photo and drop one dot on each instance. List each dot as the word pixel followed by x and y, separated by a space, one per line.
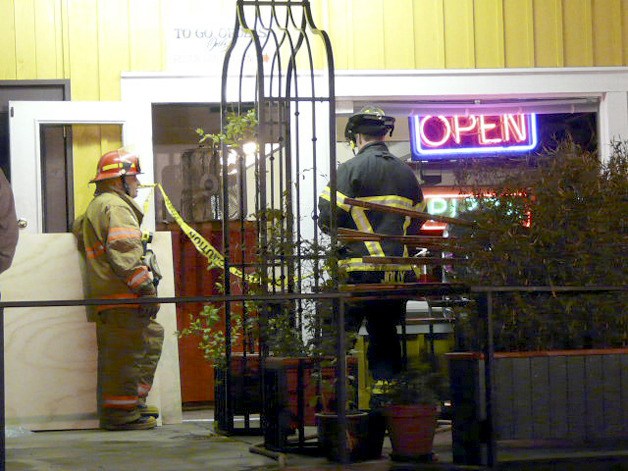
pixel 369 121
pixel 374 175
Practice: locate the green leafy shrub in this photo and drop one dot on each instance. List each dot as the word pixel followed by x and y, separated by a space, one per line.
pixel 558 221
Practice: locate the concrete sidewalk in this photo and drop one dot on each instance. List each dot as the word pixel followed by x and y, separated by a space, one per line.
pixel 192 446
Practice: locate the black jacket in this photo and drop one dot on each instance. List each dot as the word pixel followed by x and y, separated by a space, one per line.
pixel 374 175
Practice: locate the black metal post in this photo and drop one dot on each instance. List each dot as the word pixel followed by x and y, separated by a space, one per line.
pixel 486 309
pixel 404 338
pixel 341 386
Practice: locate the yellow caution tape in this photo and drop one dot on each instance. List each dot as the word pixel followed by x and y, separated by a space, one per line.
pixel 214 257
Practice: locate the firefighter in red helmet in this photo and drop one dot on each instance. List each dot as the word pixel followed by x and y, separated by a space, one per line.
pixel 129 338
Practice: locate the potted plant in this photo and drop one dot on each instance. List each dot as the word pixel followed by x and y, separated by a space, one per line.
pixel 411 410
pixel 357 439
pixel 558 219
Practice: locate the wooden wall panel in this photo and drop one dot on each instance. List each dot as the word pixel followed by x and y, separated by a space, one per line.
pixel 429 34
pixel 145 35
pixel 87 151
pixel 607 40
pixel 48 43
pixel 558 396
pixel 65 34
pixel 334 22
pixel 83 43
pixel 398 35
pixel 25 46
pixel 368 33
pixel 113 46
pixel 541 400
pixel 92 41
pixel 624 22
pixel 110 137
pixel 577 33
pixel 7 40
pixel 459 34
pixel 489 33
pixel 548 33
pixel 519 33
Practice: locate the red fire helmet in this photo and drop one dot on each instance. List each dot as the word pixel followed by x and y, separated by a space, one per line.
pixel 115 164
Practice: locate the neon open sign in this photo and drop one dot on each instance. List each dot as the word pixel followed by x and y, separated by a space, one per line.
pixel 438 136
pixel 451 204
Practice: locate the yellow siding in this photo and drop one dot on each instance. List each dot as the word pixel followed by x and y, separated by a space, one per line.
pixel 489 33
pixel 145 38
pixel 548 33
pixel 48 49
pixel 87 151
pixel 113 46
pixel 519 33
pixel 7 40
pixel 91 42
pixel 367 25
pixel 83 43
pixel 429 36
pixel 624 22
pixel 25 46
pixel 607 39
pixel 65 33
pixel 398 34
pixel 577 28
pixel 321 20
pixel 459 34
pixel 333 20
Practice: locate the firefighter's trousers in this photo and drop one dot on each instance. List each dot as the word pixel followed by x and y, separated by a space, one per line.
pixel 129 348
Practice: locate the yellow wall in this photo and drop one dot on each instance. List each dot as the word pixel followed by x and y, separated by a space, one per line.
pixel 438 34
pixel 91 42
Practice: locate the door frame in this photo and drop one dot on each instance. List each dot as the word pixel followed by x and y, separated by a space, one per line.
pixel 25 121
pixel 38 88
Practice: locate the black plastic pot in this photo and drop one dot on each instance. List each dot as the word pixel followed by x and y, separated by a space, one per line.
pixel 357 436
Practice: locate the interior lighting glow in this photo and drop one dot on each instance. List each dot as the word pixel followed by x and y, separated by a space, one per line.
pixel 439 136
pixel 451 204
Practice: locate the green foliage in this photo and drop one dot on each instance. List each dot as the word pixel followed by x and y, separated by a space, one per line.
pixel 325 399
pixel 414 386
pixel 559 221
pixel 239 129
pixel 205 325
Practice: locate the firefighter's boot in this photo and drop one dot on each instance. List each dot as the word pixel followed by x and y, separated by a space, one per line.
pixel 143 423
pixel 147 410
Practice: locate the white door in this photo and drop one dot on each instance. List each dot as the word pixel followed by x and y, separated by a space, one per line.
pixel 25 121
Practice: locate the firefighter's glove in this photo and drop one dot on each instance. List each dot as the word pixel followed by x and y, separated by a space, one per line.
pixel 149 310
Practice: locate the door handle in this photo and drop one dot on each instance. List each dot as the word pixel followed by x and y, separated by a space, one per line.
pixel 22 223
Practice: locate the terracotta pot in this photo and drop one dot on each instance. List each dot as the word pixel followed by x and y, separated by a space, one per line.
pixel 411 429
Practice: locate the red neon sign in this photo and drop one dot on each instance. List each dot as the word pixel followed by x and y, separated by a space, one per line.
pixel 433 136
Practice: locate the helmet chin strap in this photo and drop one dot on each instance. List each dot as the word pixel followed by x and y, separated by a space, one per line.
pixel 354 146
pixel 125 185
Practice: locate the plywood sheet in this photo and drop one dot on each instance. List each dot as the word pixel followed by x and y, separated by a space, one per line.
pixel 50 352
